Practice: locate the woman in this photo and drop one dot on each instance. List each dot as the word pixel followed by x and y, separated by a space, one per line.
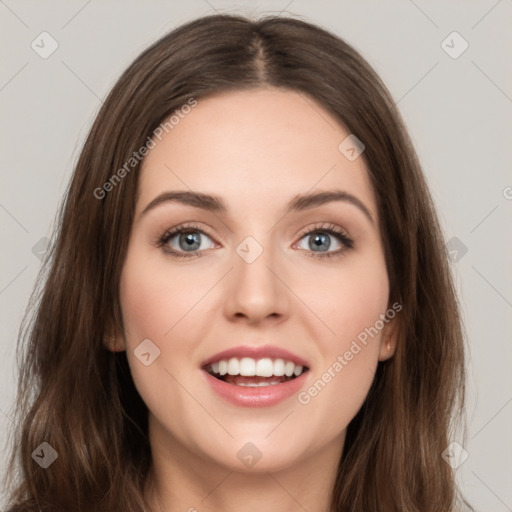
pixel 248 303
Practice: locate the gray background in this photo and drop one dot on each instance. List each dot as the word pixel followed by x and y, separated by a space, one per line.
pixel 458 112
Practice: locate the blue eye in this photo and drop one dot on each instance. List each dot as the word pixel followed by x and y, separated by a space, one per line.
pixel 186 239
pixel 319 242
pixel 325 242
pixel 190 241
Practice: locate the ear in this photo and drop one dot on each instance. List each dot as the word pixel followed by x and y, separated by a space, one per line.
pixel 389 339
pixel 114 342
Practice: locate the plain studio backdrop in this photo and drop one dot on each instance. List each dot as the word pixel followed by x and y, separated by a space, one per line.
pixel 447 64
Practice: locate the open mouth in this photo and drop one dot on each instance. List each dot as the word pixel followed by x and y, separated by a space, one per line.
pixel 250 372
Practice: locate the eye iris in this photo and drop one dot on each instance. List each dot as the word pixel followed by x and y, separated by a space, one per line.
pixel 320 242
pixel 189 241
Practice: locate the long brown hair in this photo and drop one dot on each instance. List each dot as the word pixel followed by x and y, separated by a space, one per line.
pixel 80 398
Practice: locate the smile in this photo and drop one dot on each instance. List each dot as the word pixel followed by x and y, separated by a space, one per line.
pixel 250 372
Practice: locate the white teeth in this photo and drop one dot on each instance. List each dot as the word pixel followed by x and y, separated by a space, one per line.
pixel 233 366
pixel 264 368
pixel 257 385
pixel 249 367
pixel 288 368
pixel 278 367
pixel 223 367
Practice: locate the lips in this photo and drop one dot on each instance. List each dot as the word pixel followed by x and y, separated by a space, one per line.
pixel 255 376
pixel 242 396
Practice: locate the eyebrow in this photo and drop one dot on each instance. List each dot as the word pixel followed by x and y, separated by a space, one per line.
pixel 217 205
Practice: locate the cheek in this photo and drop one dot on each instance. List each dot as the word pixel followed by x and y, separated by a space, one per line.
pixel 361 302
pixel 150 308
pixel 153 299
pixel 351 304
pixel 160 304
pixel 350 300
pixel 144 303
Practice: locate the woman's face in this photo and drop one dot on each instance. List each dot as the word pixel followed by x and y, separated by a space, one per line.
pixel 280 259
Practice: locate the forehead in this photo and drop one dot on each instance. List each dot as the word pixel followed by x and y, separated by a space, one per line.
pixel 252 146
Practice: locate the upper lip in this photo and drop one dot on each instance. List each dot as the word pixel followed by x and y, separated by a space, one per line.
pixel 260 352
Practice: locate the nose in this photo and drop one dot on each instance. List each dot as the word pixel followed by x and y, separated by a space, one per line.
pixel 255 292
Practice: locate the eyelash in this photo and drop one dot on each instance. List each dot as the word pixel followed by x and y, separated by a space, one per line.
pixel 329 229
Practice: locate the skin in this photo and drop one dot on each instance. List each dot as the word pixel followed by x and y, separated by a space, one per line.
pixel 256 150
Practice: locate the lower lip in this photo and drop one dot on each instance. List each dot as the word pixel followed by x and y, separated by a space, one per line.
pixel 263 396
